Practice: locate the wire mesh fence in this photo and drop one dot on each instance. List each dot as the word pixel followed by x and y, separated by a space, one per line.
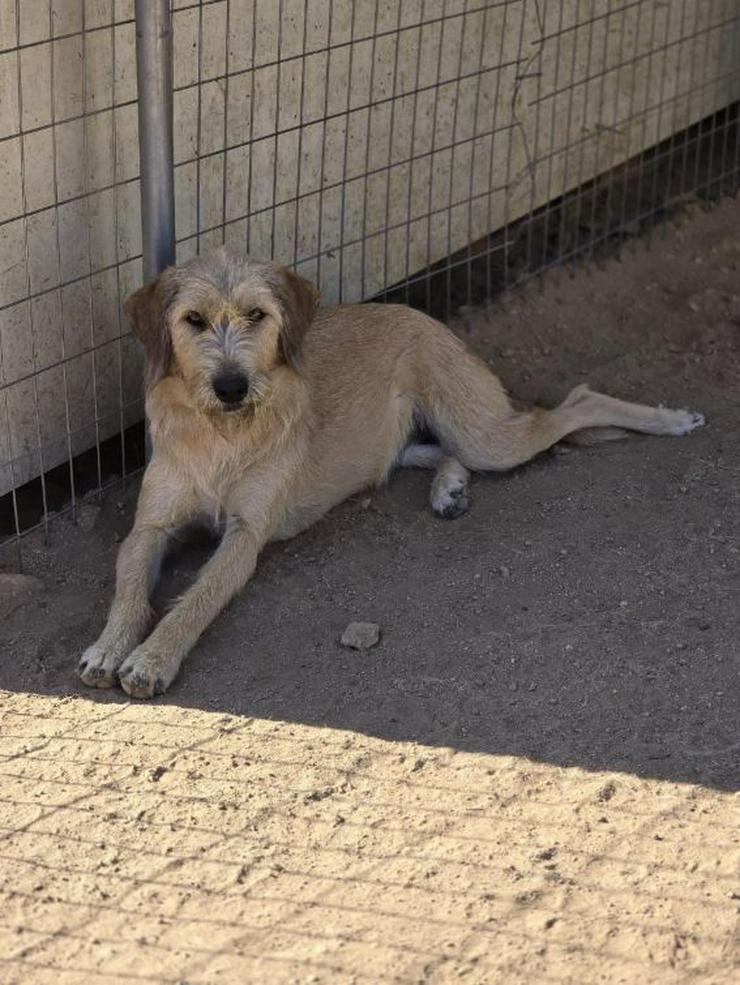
pixel 428 151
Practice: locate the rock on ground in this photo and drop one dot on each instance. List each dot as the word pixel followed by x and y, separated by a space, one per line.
pixel 361 635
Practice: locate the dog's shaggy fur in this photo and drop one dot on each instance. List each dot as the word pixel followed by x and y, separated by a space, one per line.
pixel 265 413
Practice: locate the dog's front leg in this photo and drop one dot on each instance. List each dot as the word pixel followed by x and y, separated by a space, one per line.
pixel 136 569
pixel 152 667
pixel 162 507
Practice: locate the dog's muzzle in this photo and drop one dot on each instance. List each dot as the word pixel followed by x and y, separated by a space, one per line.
pixel 231 389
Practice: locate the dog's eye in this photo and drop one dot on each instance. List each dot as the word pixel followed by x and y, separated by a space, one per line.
pixel 194 319
pixel 256 314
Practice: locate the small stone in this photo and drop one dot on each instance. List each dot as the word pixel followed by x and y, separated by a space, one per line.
pixel 15 589
pixel 504 571
pixel 87 516
pixel 361 635
pixel 695 303
pixel 19 584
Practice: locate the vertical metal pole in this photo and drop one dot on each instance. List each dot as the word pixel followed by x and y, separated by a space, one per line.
pixel 154 77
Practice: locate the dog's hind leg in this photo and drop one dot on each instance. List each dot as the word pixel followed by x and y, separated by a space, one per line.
pixel 498 442
pixel 449 492
pixel 469 412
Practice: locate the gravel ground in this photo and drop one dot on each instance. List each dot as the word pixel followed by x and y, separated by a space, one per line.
pixel 532 777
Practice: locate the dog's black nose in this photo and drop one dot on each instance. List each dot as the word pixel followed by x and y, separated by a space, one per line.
pixel 231 388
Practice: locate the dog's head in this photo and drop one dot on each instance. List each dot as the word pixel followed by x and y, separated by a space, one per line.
pixel 224 324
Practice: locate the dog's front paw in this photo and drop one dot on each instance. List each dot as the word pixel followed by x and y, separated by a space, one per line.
pixel 145 673
pixel 98 665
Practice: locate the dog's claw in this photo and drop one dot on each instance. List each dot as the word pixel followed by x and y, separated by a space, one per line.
pixel 139 685
pixel 140 678
pixel 94 676
pixel 458 506
pixel 680 422
pixel 96 666
pixel 452 501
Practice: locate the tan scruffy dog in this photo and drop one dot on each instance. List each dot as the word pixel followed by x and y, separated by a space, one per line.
pixel 266 412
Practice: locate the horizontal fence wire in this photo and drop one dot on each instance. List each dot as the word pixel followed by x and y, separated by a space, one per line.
pixel 434 152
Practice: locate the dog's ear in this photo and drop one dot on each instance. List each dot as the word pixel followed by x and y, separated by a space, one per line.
pixel 298 299
pixel 147 311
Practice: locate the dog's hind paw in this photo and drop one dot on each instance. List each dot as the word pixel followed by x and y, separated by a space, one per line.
pixel 680 422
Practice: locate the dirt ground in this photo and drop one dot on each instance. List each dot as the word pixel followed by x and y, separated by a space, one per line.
pixel 533 778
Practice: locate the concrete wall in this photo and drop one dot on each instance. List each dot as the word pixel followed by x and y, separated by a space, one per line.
pixel 359 150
